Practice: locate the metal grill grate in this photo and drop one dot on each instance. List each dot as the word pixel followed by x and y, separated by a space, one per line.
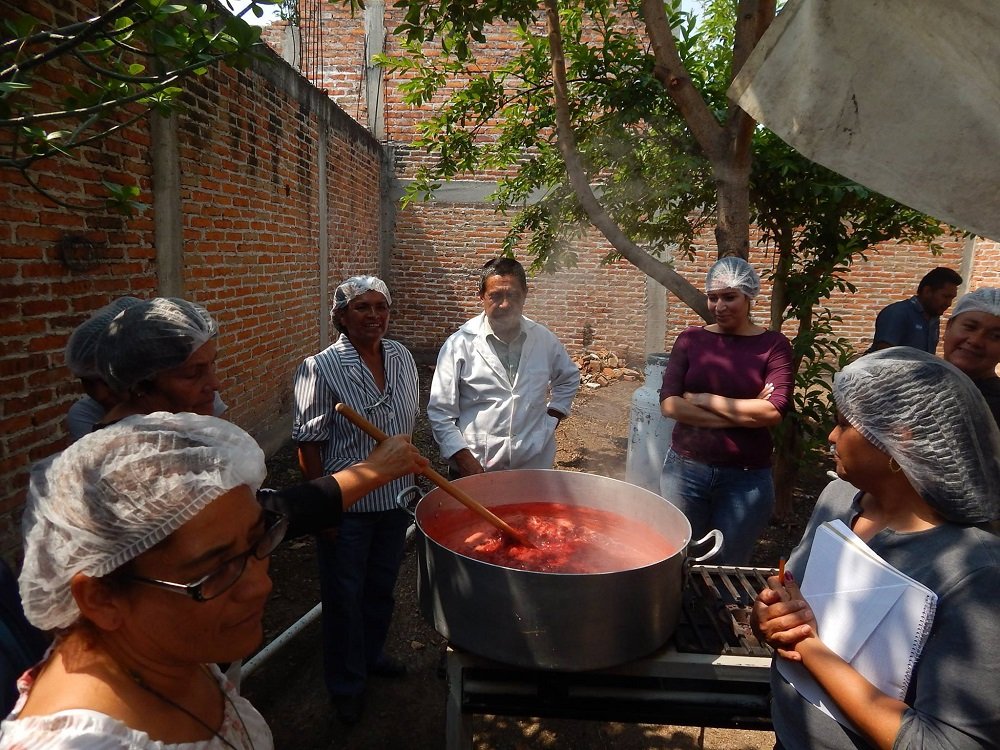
pixel 716 611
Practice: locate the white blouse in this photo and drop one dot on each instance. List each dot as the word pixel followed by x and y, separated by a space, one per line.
pixel 80 729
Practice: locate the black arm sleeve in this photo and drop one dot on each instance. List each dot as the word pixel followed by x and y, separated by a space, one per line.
pixel 311 506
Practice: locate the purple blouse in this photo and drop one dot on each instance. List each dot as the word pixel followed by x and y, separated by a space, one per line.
pixel 735 367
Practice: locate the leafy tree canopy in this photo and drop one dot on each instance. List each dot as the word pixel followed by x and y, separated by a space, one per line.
pixel 67 83
pixel 653 132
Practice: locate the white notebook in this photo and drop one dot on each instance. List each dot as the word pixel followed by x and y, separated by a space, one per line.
pixel 868 612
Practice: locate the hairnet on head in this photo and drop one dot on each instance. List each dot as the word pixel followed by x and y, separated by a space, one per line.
pixel 930 417
pixel 116 493
pixel 733 273
pixel 151 337
pixel 985 300
pixel 357 285
pixel 83 341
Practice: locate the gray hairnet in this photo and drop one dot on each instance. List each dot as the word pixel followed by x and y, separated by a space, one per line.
pixel 82 342
pixel 151 337
pixel 930 417
pixel 733 273
pixel 118 492
pixel 985 300
pixel 357 285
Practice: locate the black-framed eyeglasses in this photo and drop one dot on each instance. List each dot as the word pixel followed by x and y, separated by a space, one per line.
pixel 228 573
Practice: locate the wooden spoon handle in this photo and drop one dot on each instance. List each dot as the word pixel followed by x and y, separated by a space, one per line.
pixel 376 434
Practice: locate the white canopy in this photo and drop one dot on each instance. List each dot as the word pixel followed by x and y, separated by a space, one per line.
pixel 902 97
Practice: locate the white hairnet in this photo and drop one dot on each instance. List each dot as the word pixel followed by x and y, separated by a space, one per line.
pixel 733 273
pixel 151 337
pixel 357 285
pixel 930 417
pixel 83 341
pixel 985 300
pixel 116 493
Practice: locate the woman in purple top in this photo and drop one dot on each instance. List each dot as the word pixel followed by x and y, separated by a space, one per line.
pixel 725 384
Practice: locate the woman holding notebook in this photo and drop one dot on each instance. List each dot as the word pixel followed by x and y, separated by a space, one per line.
pixel 918 455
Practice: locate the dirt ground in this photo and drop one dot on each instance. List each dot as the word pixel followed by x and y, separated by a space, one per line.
pixel 410 712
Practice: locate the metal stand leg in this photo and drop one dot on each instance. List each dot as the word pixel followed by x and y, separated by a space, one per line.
pixel 458 725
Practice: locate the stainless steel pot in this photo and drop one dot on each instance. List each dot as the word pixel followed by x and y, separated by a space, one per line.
pixel 565 621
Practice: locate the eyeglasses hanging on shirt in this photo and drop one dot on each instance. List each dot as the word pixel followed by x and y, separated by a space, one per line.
pixel 382 402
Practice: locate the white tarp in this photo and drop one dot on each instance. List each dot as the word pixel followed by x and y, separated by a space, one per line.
pixel 902 96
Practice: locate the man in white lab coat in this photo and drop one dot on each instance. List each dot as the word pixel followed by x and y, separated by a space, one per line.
pixel 502 384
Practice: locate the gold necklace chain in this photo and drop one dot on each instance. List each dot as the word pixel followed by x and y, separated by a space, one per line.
pixel 137 678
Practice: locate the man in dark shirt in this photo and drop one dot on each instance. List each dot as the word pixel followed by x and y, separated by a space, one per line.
pixel 972 342
pixel 916 321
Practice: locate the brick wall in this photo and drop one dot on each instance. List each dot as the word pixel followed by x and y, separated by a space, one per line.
pixel 248 147
pixel 439 249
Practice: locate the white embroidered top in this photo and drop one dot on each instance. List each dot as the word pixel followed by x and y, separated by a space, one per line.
pixel 78 729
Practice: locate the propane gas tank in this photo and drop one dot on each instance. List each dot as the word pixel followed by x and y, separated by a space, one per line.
pixel 649 430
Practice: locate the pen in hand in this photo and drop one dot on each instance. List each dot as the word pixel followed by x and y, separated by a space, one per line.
pixel 781 571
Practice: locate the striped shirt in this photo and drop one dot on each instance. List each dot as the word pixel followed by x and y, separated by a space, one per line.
pixel 337 374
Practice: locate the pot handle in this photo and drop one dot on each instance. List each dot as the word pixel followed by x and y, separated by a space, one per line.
pixel 716 536
pixel 403 503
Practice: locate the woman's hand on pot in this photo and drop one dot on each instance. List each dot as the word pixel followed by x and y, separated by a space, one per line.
pixel 397 457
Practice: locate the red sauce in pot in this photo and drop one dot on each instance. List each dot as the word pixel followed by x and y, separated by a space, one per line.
pixel 566 538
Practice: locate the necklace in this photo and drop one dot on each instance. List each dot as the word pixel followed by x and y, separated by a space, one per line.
pixel 137 678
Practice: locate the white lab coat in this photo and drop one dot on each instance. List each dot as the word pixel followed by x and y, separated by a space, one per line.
pixel 474 405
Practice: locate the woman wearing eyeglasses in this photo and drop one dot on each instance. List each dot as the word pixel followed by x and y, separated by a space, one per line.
pixel 377 377
pixel 146 554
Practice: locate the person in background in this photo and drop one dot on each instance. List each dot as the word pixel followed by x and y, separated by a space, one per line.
pixel 146 553
pixel 918 457
pixel 160 356
pixel 916 321
pixel 725 385
pixel 502 384
pixel 972 342
pixel 377 377
pixel 21 644
pixel 80 349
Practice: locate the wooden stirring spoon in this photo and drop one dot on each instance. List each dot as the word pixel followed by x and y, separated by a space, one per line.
pixel 463 497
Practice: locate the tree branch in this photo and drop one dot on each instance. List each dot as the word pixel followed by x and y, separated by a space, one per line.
pixel 638 257
pixel 753 17
pixel 90 29
pixel 670 71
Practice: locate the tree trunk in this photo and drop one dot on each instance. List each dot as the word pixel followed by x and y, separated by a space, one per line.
pixel 787 464
pixel 732 230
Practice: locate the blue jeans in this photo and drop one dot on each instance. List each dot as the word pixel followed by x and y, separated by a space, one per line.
pixel 738 502
pixel 358 571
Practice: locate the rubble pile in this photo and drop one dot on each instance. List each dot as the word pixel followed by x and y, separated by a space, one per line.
pixel 600 368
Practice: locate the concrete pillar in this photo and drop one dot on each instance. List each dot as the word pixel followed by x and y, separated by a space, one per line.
pixel 389 195
pixel 291 48
pixel 322 210
pixel 375 45
pixel 968 263
pixel 168 227
pixel 656 315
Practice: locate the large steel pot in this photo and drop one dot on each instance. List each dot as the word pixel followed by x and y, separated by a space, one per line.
pixel 565 621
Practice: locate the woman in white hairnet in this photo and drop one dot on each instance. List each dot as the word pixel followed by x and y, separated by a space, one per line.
pixel 146 552
pixel 377 377
pixel 159 355
pixel 725 384
pixel 918 455
pixel 972 342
